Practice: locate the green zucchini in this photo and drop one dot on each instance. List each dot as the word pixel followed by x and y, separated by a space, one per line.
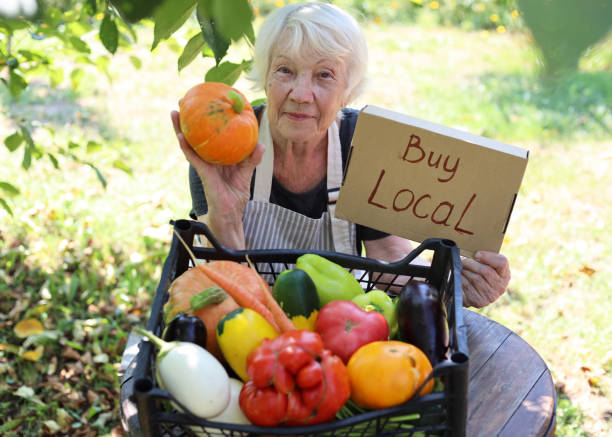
pixel 297 295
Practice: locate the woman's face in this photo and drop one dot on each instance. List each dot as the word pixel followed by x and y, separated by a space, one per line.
pixel 304 95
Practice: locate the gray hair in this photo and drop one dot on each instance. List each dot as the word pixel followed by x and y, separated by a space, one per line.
pixel 313 27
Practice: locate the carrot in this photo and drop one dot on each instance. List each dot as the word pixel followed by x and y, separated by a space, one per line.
pixel 241 274
pixel 190 283
pixel 241 295
pixel 284 323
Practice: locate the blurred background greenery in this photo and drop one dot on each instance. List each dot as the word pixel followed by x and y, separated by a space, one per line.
pixel 91 175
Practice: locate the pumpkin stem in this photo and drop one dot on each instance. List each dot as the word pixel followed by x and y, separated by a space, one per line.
pixel 238 103
pixel 210 296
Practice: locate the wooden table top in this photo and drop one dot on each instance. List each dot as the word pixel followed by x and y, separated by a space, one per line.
pixel 511 392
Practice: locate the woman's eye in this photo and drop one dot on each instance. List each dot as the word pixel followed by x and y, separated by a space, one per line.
pixel 284 70
pixel 326 75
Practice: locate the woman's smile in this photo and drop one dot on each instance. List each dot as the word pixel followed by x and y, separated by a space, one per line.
pixel 298 116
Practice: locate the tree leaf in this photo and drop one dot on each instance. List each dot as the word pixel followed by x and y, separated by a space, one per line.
pixel 217 42
pixel 233 18
pixel 25 133
pixel 136 62
pixel 169 17
pixel 16 84
pixel 28 149
pixel 93 146
pixel 53 160
pixel 6 206
pixel 99 174
pixel 79 44
pixel 53 17
pixel 56 75
pixel 27 157
pixel 191 50
pixel 27 327
pixel 102 62
pixel 123 167
pixel 13 141
pixel 13 24
pixel 227 72
pixel 133 11
pixel 9 189
pixel 109 35
pixel 76 76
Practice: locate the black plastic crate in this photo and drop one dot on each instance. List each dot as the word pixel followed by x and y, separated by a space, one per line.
pixel 442 412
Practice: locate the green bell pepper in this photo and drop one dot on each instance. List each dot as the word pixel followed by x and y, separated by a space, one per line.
pixel 378 300
pixel 333 282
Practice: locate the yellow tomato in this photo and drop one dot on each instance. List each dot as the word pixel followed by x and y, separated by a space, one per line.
pixel 387 373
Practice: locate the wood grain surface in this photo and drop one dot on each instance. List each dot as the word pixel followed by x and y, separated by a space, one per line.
pixel 511 392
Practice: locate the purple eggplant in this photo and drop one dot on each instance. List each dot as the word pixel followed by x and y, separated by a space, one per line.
pixel 185 327
pixel 421 318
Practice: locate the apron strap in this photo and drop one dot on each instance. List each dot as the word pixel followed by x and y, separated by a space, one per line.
pixel 343 232
pixel 265 169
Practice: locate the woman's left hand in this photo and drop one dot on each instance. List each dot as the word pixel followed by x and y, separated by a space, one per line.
pixel 484 278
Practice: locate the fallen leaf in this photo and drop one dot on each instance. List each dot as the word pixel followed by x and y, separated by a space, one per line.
pixel 594 382
pixel 19 306
pixel 33 355
pixel 587 271
pixel 91 396
pixel 71 354
pixel 63 418
pixel 86 358
pixel 9 348
pixel 52 367
pixel 101 358
pixel 26 392
pixel 51 426
pixel 118 432
pixel 28 327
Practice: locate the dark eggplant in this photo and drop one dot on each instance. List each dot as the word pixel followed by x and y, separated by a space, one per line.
pixel 421 318
pixel 185 327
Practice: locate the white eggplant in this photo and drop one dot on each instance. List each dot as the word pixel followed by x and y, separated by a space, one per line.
pixel 192 375
pixel 231 414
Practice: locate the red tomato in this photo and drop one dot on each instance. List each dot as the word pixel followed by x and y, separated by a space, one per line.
pixel 345 327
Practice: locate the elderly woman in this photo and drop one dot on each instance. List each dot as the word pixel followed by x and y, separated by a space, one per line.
pixel 310 59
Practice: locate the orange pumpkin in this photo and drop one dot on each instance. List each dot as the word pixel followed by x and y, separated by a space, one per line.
pixel 194 281
pixel 387 373
pixel 218 123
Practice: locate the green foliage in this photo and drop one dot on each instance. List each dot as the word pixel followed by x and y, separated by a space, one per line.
pixel 570 419
pixel 34 49
pixel 88 300
pixel 466 14
pixel 564 29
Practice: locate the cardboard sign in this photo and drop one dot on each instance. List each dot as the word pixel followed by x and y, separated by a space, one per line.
pixel 419 180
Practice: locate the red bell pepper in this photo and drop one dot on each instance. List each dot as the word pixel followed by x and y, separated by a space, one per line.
pixel 345 327
pixel 293 380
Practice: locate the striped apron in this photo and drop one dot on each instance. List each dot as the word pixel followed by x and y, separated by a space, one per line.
pixel 269 226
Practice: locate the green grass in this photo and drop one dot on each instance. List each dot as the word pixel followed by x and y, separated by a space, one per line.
pixel 86 260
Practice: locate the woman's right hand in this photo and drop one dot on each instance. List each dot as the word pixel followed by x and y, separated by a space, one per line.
pixel 227 189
